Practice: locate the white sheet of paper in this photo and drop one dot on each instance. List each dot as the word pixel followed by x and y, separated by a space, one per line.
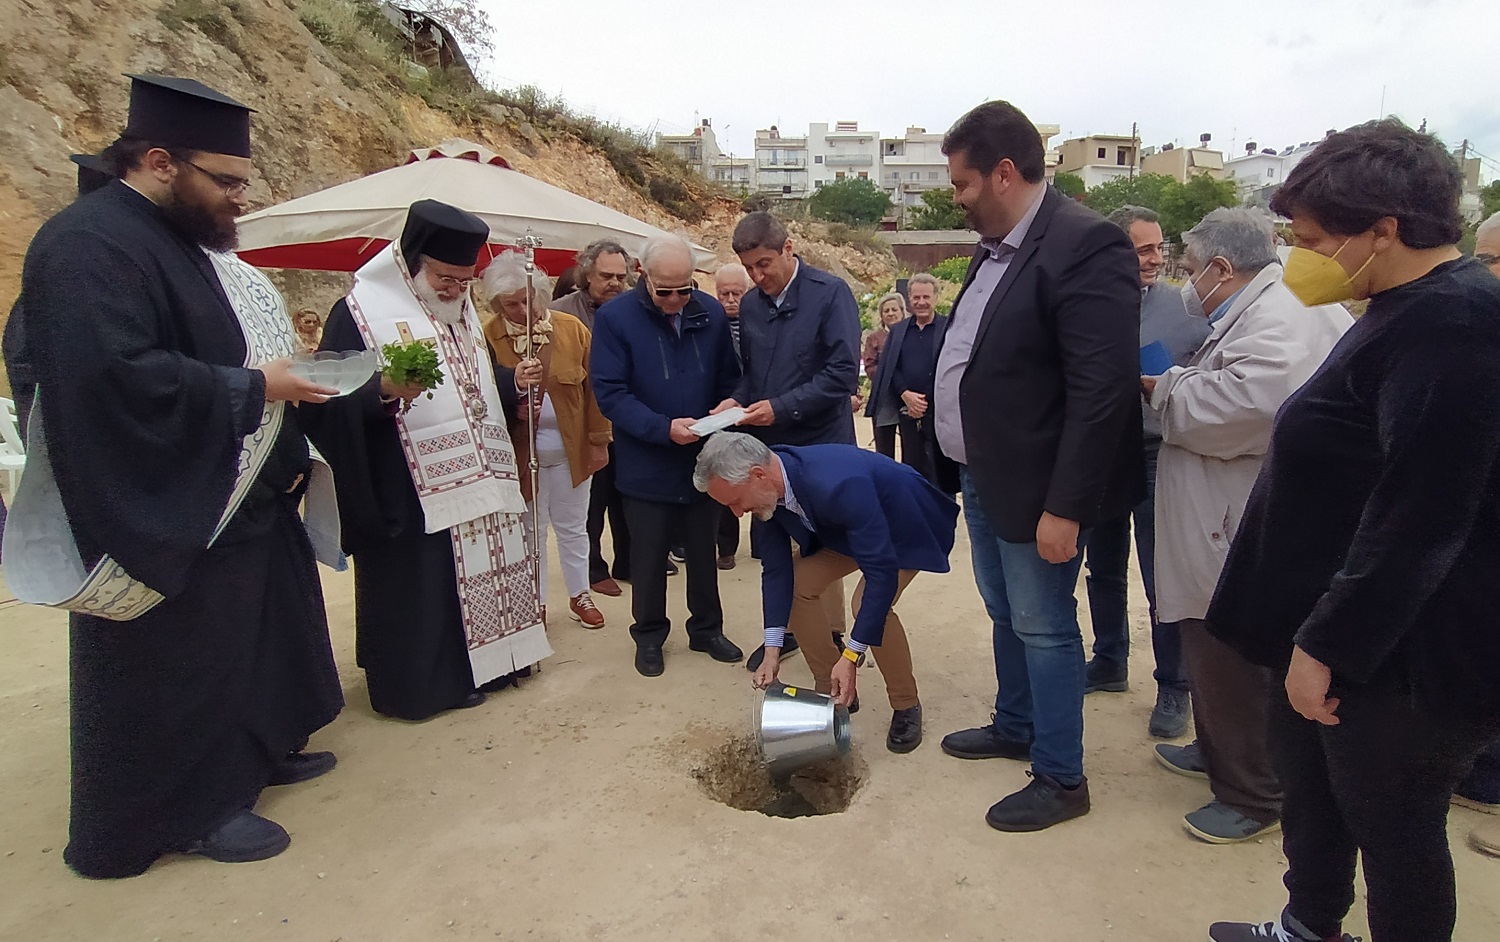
pixel 717 423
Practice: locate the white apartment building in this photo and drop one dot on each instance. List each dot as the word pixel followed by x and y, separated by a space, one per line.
pixel 1258 172
pixel 1099 158
pixel 781 165
pixel 911 165
pixel 842 153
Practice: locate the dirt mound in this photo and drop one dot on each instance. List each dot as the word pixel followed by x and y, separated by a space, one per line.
pixel 732 773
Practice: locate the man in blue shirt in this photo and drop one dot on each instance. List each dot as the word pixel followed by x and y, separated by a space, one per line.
pixel 846 510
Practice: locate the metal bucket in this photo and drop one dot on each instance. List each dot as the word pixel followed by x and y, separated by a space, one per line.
pixel 799 727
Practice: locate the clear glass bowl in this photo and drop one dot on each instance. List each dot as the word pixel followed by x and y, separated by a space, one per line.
pixel 345 371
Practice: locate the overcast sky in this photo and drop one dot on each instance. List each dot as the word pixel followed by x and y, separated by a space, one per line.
pixel 1275 73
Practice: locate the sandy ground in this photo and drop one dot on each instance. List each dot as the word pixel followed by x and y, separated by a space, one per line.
pixel 567 810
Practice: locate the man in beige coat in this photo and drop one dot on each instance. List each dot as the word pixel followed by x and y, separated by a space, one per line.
pixel 1216 415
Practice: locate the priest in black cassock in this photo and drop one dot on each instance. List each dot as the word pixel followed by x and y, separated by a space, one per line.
pixel 445 593
pixel 161 498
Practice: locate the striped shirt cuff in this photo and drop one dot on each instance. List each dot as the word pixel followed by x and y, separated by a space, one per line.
pixel 775 637
pixel 858 647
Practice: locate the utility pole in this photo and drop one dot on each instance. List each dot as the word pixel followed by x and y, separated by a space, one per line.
pixel 1135 146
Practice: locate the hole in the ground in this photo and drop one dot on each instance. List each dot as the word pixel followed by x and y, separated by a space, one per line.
pixel 732 773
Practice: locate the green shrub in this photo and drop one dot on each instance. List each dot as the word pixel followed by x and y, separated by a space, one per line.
pixel 953 269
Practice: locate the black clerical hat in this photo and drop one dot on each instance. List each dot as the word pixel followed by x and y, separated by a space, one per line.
pixel 93 172
pixel 179 112
pixel 442 232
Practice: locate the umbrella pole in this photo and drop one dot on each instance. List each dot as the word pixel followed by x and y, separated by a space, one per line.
pixel 528 244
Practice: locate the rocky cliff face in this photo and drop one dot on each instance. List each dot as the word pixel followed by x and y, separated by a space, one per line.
pixel 327 113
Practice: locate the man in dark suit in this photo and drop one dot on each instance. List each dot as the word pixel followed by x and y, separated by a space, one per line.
pixel 910 366
pixel 799 345
pixel 1037 400
pixel 847 510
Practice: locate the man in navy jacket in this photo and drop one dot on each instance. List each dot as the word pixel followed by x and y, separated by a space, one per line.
pixel 847 510
pixel 662 357
pixel 799 344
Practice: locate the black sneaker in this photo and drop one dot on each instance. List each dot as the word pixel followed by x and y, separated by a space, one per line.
pixel 1169 719
pixel 1039 805
pixel 1184 760
pixel 302 766
pixel 1102 676
pixel 984 742
pixel 1284 929
pixel 788 648
pixel 719 648
pixel 906 730
pixel 243 838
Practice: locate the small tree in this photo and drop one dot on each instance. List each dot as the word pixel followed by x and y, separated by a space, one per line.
pixel 856 202
pixel 1070 185
pixel 1184 204
pixel 938 211
pixel 1489 200
pixel 1146 190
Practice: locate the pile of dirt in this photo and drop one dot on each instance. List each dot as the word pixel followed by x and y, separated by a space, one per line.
pixel 732 773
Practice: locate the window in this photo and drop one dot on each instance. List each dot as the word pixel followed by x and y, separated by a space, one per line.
pixel 863 175
pixel 817 184
pixel 1101 153
pixel 916 175
pixel 839 175
pixel 1270 173
pixel 933 175
pixel 1120 157
pixel 818 159
pixel 786 189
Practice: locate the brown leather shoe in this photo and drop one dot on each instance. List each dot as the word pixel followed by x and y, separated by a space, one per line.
pixel 609 587
pixel 726 562
pixel 583 610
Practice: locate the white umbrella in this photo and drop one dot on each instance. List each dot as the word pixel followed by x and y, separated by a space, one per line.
pixel 342 227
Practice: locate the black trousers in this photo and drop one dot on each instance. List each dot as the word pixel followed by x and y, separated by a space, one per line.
pixel 654 528
pixel 919 446
pixel 604 501
pixel 729 532
pixel 885 439
pixel 1231 708
pixel 1376 786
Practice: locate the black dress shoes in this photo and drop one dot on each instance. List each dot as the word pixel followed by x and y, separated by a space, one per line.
pixel 1039 805
pixel 243 838
pixel 719 648
pixel 906 730
pixel 788 648
pixel 301 766
pixel 648 661
pixel 984 742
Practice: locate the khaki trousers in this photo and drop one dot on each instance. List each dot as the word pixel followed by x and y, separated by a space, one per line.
pixel 815 580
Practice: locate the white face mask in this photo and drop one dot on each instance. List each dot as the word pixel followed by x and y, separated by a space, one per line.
pixel 1196 305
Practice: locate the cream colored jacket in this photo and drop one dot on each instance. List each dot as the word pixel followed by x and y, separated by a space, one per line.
pixel 1216 415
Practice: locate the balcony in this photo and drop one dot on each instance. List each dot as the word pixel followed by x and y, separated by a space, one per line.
pixel 848 160
pixel 782 163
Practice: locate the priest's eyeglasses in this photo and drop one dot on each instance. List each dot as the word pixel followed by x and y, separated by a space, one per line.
pixel 448 281
pixel 231 185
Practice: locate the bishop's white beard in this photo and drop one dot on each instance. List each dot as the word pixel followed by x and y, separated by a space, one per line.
pixel 449 312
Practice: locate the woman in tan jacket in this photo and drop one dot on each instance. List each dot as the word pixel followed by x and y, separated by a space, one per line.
pixel 571 434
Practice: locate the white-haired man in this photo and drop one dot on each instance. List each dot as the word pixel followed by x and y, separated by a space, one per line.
pixel 662 358
pixel 1215 415
pixel 731 282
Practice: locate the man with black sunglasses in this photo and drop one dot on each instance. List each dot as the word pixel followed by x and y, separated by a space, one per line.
pixel 662 357
pixel 799 345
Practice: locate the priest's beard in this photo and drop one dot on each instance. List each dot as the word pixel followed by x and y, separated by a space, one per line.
pixel 205 224
pixel 449 312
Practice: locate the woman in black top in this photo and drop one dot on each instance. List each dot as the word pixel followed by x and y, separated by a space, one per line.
pixel 1367 564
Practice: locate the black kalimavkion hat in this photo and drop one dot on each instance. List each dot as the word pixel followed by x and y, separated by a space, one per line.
pixel 180 112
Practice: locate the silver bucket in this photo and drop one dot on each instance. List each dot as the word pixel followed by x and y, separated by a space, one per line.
pixel 799 727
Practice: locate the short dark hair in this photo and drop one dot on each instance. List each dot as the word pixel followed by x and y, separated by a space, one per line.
pixel 759 231
pixel 1127 216
pixel 1382 168
pixel 993 132
pixel 129 153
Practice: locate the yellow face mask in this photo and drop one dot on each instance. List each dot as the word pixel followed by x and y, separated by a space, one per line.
pixel 1319 279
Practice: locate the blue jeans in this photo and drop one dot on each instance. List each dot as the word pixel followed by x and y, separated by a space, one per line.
pixel 1038 646
pixel 1107 558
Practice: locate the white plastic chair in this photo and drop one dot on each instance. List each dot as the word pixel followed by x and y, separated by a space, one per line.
pixel 12 449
